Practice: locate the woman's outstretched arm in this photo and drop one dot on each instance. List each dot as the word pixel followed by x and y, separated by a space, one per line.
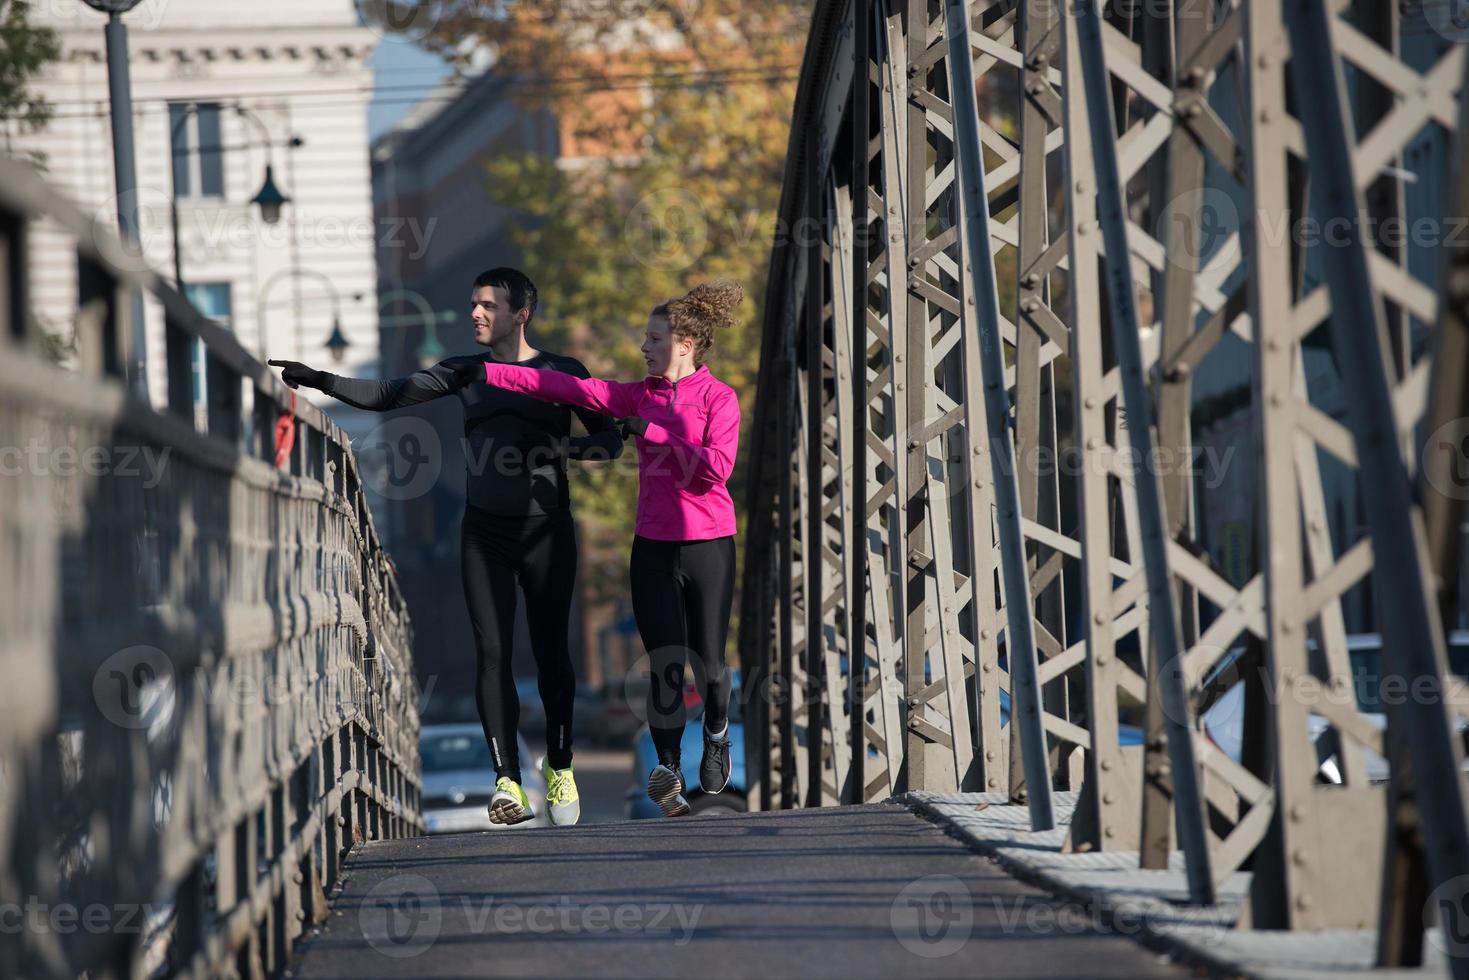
pixel 615 398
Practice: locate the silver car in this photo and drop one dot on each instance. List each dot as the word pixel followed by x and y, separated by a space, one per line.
pixel 1223 721
pixel 459 779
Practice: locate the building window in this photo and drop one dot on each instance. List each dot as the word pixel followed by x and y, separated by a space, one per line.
pixel 198 151
pixel 213 300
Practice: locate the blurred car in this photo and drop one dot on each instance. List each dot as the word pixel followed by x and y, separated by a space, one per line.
pixel 1224 720
pixel 443 706
pixel 446 707
pixel 459 779
pixel 591 715
pixel 645 757
pixel 605 717
pixel 532 711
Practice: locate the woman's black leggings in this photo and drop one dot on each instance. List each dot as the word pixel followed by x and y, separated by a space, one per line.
pixel 681 597
pixel 540 553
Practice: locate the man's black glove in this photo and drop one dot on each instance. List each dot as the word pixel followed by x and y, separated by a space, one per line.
pixel 632 426
pixel 468 373
pixel 295 374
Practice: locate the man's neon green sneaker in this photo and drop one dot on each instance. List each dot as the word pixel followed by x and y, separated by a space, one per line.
pixel 561 796
pixel 509 805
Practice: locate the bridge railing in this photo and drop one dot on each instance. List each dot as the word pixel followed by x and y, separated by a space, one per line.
pixel 207 690
pixel 997 347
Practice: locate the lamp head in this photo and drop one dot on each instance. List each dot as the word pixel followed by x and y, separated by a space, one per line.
pixel 337 343
pixel 112 6
pixel 270 198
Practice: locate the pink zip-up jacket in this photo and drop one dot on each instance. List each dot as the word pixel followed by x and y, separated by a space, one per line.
pixel 685 457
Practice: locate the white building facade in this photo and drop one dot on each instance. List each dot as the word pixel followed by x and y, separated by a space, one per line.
pixel 220 92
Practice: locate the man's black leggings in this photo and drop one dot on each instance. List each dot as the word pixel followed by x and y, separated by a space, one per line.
pixel 539 552
pixel 681 597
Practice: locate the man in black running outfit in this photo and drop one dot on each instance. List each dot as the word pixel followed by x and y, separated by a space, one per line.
pixel 517 526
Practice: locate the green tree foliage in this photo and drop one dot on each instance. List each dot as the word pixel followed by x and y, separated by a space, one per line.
pixel 25 50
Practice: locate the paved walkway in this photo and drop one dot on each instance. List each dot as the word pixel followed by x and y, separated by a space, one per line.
pixel 849 892
pixel 1148 905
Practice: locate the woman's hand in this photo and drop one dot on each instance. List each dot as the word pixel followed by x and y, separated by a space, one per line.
pixel 468 373
pixel 632 426
pixel 295 374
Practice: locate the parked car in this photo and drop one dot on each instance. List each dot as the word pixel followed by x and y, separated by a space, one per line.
pixel 691 751
pixel 605 717
pixel 1224 720
pixel 459 779
pixel 442 706
pixel 446 705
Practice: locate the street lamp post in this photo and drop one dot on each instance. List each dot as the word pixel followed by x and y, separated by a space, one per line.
pixel 269 198
pixel 125 171
pixel 337 343
pixel 430 351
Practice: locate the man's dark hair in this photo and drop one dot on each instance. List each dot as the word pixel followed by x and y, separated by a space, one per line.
pixel 522 291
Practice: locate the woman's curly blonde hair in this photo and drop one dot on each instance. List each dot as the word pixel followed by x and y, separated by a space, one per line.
pixel 703 310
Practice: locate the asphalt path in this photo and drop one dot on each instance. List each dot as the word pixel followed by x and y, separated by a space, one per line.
pixel 849 892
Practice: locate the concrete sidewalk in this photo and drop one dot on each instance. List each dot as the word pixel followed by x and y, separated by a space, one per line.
pixel 1109 890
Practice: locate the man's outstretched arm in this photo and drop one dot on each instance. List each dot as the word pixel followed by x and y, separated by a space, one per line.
pixel 373 395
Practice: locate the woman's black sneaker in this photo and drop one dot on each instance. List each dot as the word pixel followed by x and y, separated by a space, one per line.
pixel 665 788
pixel 715 768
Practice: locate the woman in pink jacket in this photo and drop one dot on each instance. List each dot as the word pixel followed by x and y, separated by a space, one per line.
pixel 687 425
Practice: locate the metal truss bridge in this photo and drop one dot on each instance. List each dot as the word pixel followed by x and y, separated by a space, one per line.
pixel 1034 257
